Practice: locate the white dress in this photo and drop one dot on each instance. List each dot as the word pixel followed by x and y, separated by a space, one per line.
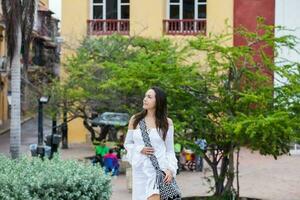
pixel 143 173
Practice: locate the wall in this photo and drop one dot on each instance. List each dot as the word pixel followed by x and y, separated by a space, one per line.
pixel 3 99
pixel 287 15
pixel 45 2
pixel 74 23
pixel 219 13
pixel 146 17
pixel 3 76
pixel 246 13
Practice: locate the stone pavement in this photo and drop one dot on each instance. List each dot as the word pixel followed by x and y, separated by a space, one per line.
pixel 28 135
pixel 260 176
pixel 6 125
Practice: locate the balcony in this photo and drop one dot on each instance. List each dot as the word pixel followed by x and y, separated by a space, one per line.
pixel 108 27
pixel 184 27
pixel 45 26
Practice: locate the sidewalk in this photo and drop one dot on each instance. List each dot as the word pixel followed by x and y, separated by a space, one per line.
pixel 260 176
pixel 77 151
pixel 6 125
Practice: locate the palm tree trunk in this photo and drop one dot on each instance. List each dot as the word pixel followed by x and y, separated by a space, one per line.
pixel 24 92
pixel 15 125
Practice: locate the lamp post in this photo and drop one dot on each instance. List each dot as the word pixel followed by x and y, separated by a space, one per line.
pixel 40 147
pixel 55 137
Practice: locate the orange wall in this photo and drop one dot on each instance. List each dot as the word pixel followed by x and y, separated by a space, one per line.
pixel 246 13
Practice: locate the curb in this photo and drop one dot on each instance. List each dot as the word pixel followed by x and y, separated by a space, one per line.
pixel 6 129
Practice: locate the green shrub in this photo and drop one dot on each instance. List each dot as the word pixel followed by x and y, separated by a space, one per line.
pixel 33 178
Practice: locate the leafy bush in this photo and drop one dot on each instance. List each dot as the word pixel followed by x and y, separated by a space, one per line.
pixel 33 178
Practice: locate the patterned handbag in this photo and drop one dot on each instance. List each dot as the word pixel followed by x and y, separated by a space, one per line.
pixel 168 191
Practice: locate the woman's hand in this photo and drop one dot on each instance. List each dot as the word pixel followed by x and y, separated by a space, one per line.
pixel 168 176
pixel 147 151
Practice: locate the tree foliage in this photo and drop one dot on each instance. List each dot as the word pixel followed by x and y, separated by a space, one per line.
pixel 233 103
pixel 242 107
pixel 113 73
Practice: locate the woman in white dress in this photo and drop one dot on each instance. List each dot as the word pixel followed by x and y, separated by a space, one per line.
pixel 161 133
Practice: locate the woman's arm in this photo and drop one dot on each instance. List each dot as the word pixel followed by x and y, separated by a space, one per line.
pixel 129 144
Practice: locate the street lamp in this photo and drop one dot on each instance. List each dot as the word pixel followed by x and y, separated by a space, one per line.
pixel 40 148
pixel 44 99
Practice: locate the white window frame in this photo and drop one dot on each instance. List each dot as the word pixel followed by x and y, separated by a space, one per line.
pixel 197 3
pixel 120 4
pixel 180 3
pixel 103 4
pixel 92 4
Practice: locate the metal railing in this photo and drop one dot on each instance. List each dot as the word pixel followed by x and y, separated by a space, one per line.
pixel 184 26
pixel 107 27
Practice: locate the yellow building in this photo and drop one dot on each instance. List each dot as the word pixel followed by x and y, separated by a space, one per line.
pixel 155 18
pixel 3 73
pixel 4 81
pixel 176 19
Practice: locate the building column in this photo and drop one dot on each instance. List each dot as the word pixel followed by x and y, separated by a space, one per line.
pixel 246 13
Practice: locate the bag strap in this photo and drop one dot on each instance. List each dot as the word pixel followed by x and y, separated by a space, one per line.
pixel 147 142
pixel 154 161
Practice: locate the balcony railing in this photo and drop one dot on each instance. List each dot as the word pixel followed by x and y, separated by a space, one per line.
pixel 44 26
pixel 107 27
pixel 184 27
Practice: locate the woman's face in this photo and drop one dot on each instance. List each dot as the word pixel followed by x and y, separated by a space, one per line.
pixel 149 101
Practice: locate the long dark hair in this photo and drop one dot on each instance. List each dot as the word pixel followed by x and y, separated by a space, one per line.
pixel 161 119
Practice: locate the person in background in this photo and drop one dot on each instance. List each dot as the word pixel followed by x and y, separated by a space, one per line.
pixel 120 146
pixel 199 160
pixel 100 149
pixel 177 149
pixel 111 163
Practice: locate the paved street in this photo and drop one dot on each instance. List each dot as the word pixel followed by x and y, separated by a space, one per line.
pixel 29 135
pixel 260 176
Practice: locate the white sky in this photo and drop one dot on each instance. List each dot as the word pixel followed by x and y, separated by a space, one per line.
pixel 55 6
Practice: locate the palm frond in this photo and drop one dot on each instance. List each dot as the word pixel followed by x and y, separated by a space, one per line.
pixel 12 15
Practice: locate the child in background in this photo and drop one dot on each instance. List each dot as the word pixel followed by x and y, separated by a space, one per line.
pixel 111 163
pixel 100 149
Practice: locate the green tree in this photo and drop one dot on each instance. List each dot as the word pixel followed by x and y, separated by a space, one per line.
pixel 231 104
pixel 241 106
pixel 113 73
